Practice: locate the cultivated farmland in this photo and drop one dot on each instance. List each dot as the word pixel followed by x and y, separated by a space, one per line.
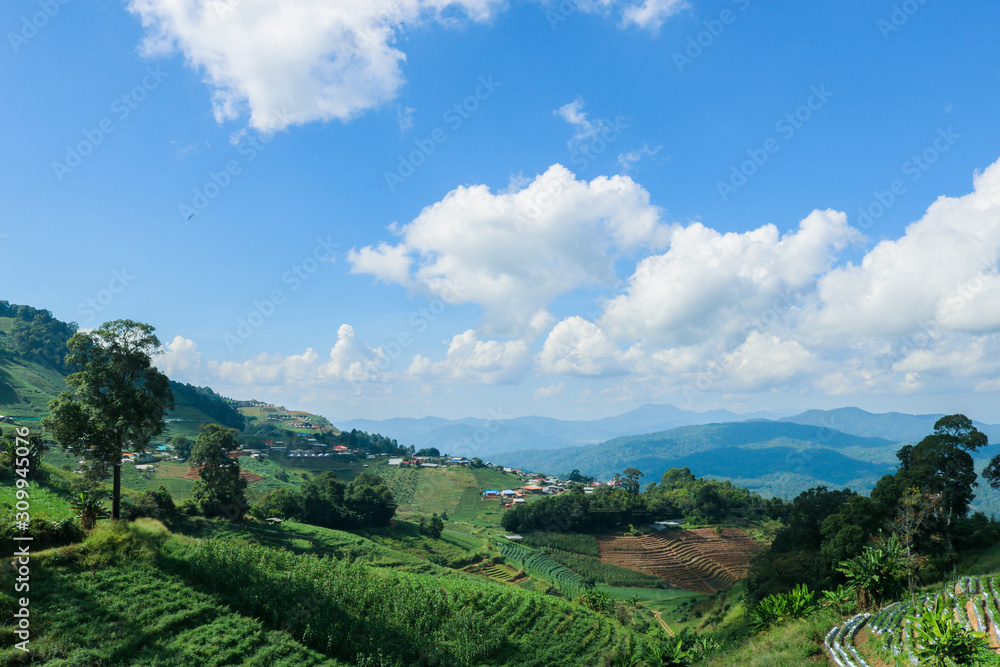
pixel 699 560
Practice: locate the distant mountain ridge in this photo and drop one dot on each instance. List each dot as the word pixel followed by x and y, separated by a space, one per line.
pixel 485 437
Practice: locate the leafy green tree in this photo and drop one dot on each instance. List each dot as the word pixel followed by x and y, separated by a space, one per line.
pixel 429 451
pixel 631 483
pixel 432 528
pixel 370 500
pixel 182 445
pixel 281 503
pixel 119 398
pixel 220 491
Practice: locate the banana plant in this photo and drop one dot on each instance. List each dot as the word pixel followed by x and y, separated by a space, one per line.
pixel 941 641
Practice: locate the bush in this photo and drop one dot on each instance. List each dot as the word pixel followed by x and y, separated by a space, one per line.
pixel 45 532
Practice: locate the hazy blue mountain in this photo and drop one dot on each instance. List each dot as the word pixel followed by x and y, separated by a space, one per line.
pixel 484 438
pixel 895 426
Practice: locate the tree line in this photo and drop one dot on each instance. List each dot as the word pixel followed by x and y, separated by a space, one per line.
pixel 923 508
pixel 679 495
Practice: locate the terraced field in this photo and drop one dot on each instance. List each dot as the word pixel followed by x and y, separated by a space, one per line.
pixel 696 560
pixel 853 643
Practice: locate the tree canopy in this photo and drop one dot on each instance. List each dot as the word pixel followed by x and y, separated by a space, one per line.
pixel 119 398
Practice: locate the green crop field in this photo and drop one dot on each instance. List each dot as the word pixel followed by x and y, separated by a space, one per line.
pixel 571 542
pixel 139 595
pixel 538 564
pixel 440 489
pixel 129 612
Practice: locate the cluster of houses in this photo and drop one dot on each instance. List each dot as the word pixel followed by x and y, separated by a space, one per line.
pixel 538 485
pixel 429 461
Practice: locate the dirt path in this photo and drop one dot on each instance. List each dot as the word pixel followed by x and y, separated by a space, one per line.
pixel 659 618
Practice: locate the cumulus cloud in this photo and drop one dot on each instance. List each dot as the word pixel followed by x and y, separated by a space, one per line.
pixel 295 61
pixel 514 251
pixel 943 272
pixel 709 285
pixel 471 360
pixel 651 14
pixel 550 391
pixel 578 347
pixel 350 361
pixel 179 357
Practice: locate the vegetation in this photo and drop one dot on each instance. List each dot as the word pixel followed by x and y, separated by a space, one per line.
pixel 220 491
pixel 679 494
pixel 119 398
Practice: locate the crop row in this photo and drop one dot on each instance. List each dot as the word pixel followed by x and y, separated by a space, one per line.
pixel 537 563
pixel 367 614
pixel 572 542
pixel 591 567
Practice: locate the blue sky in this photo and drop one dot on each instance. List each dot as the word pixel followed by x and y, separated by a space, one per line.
pixel 412 207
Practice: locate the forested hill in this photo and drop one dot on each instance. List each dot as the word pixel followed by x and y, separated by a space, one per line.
pixel 895 426
pixel 769 456
pixel 32 369
pixel 208 402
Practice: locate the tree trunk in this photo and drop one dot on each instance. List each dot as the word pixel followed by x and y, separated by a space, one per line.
pixel 116 488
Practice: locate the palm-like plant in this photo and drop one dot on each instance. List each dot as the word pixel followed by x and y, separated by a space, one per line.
pixel 941 640
pixel 669 654
pixel 877 574
pixel 89 509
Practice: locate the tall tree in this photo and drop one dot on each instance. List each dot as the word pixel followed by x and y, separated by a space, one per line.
pixel 220 489
pixel 631 483
pixel 119 398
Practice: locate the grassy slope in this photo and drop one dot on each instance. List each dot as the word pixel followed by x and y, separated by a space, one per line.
pixel 148 606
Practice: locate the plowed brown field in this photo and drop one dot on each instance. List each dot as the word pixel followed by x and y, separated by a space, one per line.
pixel 696 560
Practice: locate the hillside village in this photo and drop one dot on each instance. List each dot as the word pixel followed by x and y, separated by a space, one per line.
pixel 683 571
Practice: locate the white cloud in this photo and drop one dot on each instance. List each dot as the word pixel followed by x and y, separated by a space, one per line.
pixel 294 61
pixel 763 359
pixel 513 252
pixel 353 361
pixel 405 118
pixel 387 263
pixel 628 161
pixel 471 360
pixel 550 391
pixel 578 347
pixel 943 272
pixel 651 14
pixel 180 357
pixel 714 286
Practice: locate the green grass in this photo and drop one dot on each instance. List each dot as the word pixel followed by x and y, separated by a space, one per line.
pixel 133 613
pixel 792 644
pixel 44 497
pixel 138 595
pixel 26 387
